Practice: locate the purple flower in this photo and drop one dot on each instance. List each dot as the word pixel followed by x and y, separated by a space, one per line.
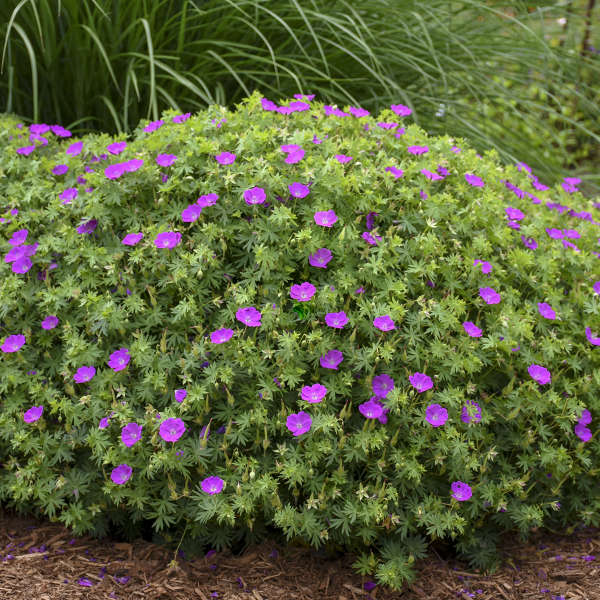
pixel 212 485
pixel 555 234
pixel 586 417
pixel 489 295
pixel 371 409
pixel 313 393
pixel 322 256
pixel 342 158
pixel 298 423
pixel 570 245
pixel 132 165
pixel 430 175
pixel 396 172
pixel 546 311
pixel 131 239
pixel 296 153
pixel 268 104
pixel 298 190
pixel 326 218
pixel 225 158
pixel 359 112
pixel 474 180
pixel 165 160
pixel 221 335
pixel 539 374
pixel 372 240
pixel 596 287
pixel 119 359
pixel 331 360
pixel 180 395
pixel 436 415
pixel 418 149
pixel 191 213
pixel 207 200
pixel 466 417
pixel 181 118
pixel 171 429
pixel 84 374
pixel 103 423
pixel 401 110
pixel 583 433
pixel 486 267
pixel 131 433
pixel 421 382
pixel 88 226
pixel 117 147
pixel 472 329
pixel 461 491
pixel 529 242
pixel 336 320
pixel 114 171
pixel 22 265
pixel 33 414
pixel 26 150
pixel 385 125
pixel 13 343
pixel 249 316
pixel 168 239
pixel 50 322
pixel 60 169
pixel 382 385
pixel 121 474
pixel 514 214
pixel 67 195
pixel 303 292
pixel 384 323
pixel 75 149
pixel 595 341
pixel 255 195
pixel 153 126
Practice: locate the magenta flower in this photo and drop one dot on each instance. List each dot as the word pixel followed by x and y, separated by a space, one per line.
pixel 68 195
pixel 539 374
pixel 436 415
pixel 359 112
pixel 313 393
pixel 384 323
pixel 103 423
pixel 13 343
pixel 18 237
pixel 180 395
pixel 88 226
pixel 181 118
pixel 331 360
pixel 84 374
pixel 595 341
pixel 33 414
pixel 342 158
pixel 171 429
pixel 249 316
pixel 298 423
pixel 382 385
pixel 165 160
pixel 461 491
pixel 572 234
pixel 60 169
pixel 401 110
pixel 394 171
pixel 207 200
pixel 131 433
pixel 225 158
pixel 268 104
pixel 322 256
pixel 583 433
pixel 570 245
pixel 50 322
pixel 596 287
pixel 153 126
pixel 418 149
pixel 117 147
pixel 296 153
pixel 474 180
pixel 114 171
pixel 466 417
pixel 336 320
pixel 489 295
pixel 326 218
pixel 514 214
pixel 26 150
pixel 221 335
pixel 372 240
pixel 546 311
pixel 430 175
pixel 191 213
pixel 132 165
pixel 255 195
pixel 385 125
pixel 119 359
pixel 212 485
pixel 75 149
pixel 168 239
pixel 22 265
pixel 421 382
pixel 586 417
pixel 303 292
pixel 486 267
pixel 298 190
pixel 555 234
pixel 121 474
pixel 131 239
pixel 471 329
pixel 529 242
pixel 371 409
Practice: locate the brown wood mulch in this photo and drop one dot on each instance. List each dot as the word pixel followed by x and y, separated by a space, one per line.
pixel 45 561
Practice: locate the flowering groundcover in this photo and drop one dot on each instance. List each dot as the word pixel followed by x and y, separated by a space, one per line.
pixel 296 316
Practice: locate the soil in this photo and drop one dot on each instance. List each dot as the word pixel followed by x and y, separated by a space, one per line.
pixel 45 561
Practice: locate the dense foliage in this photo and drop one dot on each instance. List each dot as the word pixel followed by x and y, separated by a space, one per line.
pixel 298 317
pixel 463 67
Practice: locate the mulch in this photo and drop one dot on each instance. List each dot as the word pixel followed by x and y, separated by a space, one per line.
pixel 45 561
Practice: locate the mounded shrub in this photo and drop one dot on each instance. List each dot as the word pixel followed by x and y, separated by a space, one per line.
pixel 296 318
